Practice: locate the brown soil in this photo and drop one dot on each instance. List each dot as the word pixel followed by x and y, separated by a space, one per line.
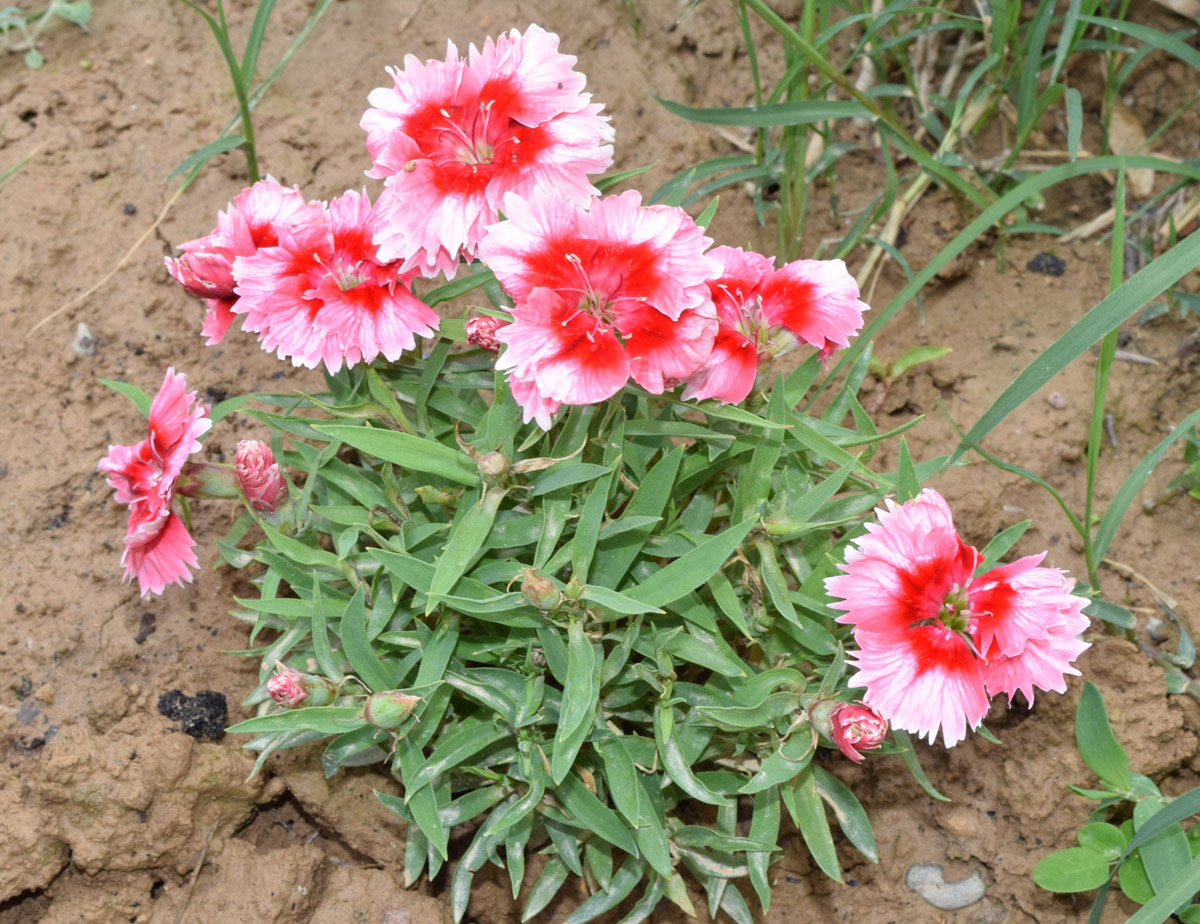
pixel 105 809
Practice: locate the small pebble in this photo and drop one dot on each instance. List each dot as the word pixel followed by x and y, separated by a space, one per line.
pixel 961 823
pixel 928 881
pixel 1156 629
pixel 1070 453
pixel 83 342
pixel 1056 400
pixel 130 209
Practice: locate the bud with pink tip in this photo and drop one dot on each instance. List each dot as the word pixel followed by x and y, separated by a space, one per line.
pixel 481 332
pixel 291 689
pixel 258 474
pixel 853 727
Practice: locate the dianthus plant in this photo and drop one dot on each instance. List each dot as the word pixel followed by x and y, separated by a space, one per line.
pixel 576 569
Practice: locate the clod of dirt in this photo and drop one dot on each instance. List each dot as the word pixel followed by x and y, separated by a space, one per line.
pixel 83 342
pixel 23 688
pixel 1047 264
pixel 32 855
pixel 928 881
pixel 133 799
pixel 202 716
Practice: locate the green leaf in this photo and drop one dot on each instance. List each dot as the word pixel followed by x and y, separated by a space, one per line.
pixel 1074 119
pixel 580 694
pixel 617 602
pixel 467 536
pixel 908 482
pixel 1102 838
pixel 803 112
pixel 809 814
pixel 453 749
pixel 561 477
pixel 1132 878
pixel 203 155
pixel 76 11
pixel 1119 306
pixel 329 665
pixel 1165 854
pixel 258 31
pixel 1178 891
pixel 358 649
pixel 666 740
pixel 409 452
pixel 1076 869
pixel 140 399
pixel 592 814
pixel 764 826
pixel 850 815
pixel 691 570
pixel 917 356
pixel 1097 744
pixel 629 875
pixel 909 756
pixel 330 720
pixel 554 874
pixel 1000 545
pixel 1136 479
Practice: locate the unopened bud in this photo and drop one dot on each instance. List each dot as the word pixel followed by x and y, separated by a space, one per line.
pixel 481 332
pixel 208 275
pixel 853 727
pixel 259 476
pixel 494 467
pixel 389 709
pixel 292 689
pixel 207 479
pixel 540 591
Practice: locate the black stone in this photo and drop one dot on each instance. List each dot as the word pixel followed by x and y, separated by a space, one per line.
pixel 146 627
pixel 202 716
pixel 1047 264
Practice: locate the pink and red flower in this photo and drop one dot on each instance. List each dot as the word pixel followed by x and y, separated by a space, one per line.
pixel 452 137
pixel 253 220
pixel 935 641
pixel 602 295
pixel 158 548
pixel 322 294
pixel 764 312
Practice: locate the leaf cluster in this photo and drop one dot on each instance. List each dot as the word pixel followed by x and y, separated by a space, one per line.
pixel 1156 862
pixel 612 641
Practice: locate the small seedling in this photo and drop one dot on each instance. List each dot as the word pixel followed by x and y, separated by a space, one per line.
pixel 1152 857
pixel 888 373
pixel 31 25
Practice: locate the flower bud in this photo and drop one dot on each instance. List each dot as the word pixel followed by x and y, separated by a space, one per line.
pixel 494 467
pixel 540 591
pixel 853 727
pixel 207 479
pixel 481 332
pixel 292 689
pixel 259 476
pixel 208 275
pixel 388 709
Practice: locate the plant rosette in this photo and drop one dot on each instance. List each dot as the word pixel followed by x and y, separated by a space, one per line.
pixel 577 570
